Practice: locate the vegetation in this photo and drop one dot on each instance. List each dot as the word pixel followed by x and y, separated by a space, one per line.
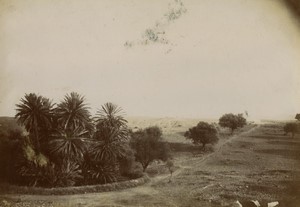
pixel 292 128
pixel 295 4
pixel 149 146
pixel 64 146
pixel 170 166
pixel 35 113
pixel 59 145
pixel 203 133
pixel 297 117
pixel 10 139
pixel 109 146
pixel 232 121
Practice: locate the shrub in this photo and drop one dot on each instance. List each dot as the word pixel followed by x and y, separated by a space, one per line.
pixel 170 166
pixel 292 128
pixel 128 166
pixel 31 165
pixel 100 172
pixel 10 145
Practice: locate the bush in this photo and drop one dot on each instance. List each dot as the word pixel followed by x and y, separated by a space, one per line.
pixel 136 171
pixel 10 145
pixel 292 128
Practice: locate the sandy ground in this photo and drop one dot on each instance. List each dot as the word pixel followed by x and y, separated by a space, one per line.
pixel 258 163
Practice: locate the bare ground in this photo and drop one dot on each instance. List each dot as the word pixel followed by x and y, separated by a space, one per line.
pixel 257 163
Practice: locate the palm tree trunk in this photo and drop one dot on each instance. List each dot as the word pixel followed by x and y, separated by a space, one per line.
pixel 36 136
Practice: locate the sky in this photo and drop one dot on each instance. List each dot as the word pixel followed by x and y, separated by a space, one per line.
pixel 159 58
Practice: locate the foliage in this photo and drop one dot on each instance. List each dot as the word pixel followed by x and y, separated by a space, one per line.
pixel 149 146
pixel 65 147
pixel 127 165
pixel 295 4
pixel 232 121
pixel 35 113
pixel 297 117
pixel 170 166
pixel 72 148
pixel 66 173
pixel 111 134
pixel 109 145
pixel 30 165
pixel 100 172
pixel 110 115
pixel 10 145
pixel 292 128
pixel 72 113
pixel 73 127
pixel 203 133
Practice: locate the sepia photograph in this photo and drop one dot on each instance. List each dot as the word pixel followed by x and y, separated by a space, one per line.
pixel 149 103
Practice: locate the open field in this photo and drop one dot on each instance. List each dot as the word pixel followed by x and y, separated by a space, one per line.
pixel 257 162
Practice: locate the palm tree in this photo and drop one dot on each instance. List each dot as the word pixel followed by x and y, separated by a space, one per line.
pixel 111 115
pixel 68 144
pixel 72 113
pixel 35 113
pixel 111 131
pixel 109 144
pixel 73 128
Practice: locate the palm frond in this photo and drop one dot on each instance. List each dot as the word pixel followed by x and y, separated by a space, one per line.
pixel 111 115
pixel 72 148
pixel 101 172
pixel 107 151
pixel 72 112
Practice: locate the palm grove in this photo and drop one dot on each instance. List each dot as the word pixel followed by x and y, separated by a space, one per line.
pixel 66 146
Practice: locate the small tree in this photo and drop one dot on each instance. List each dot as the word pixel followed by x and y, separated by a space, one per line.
pixel 170 166
pixel 232 121
pixel 297 117
pixel 149 146
pixel 292 128
pixel 204 133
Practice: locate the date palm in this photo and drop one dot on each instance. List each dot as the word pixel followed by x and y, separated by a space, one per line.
pixel 108 145
pixel 73 128
pixel 35 113
pixel 110 115
pixel 72 113
pixel 111 132
pixel 68 144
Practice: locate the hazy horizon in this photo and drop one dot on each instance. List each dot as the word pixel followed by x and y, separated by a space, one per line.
pixel 205 59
